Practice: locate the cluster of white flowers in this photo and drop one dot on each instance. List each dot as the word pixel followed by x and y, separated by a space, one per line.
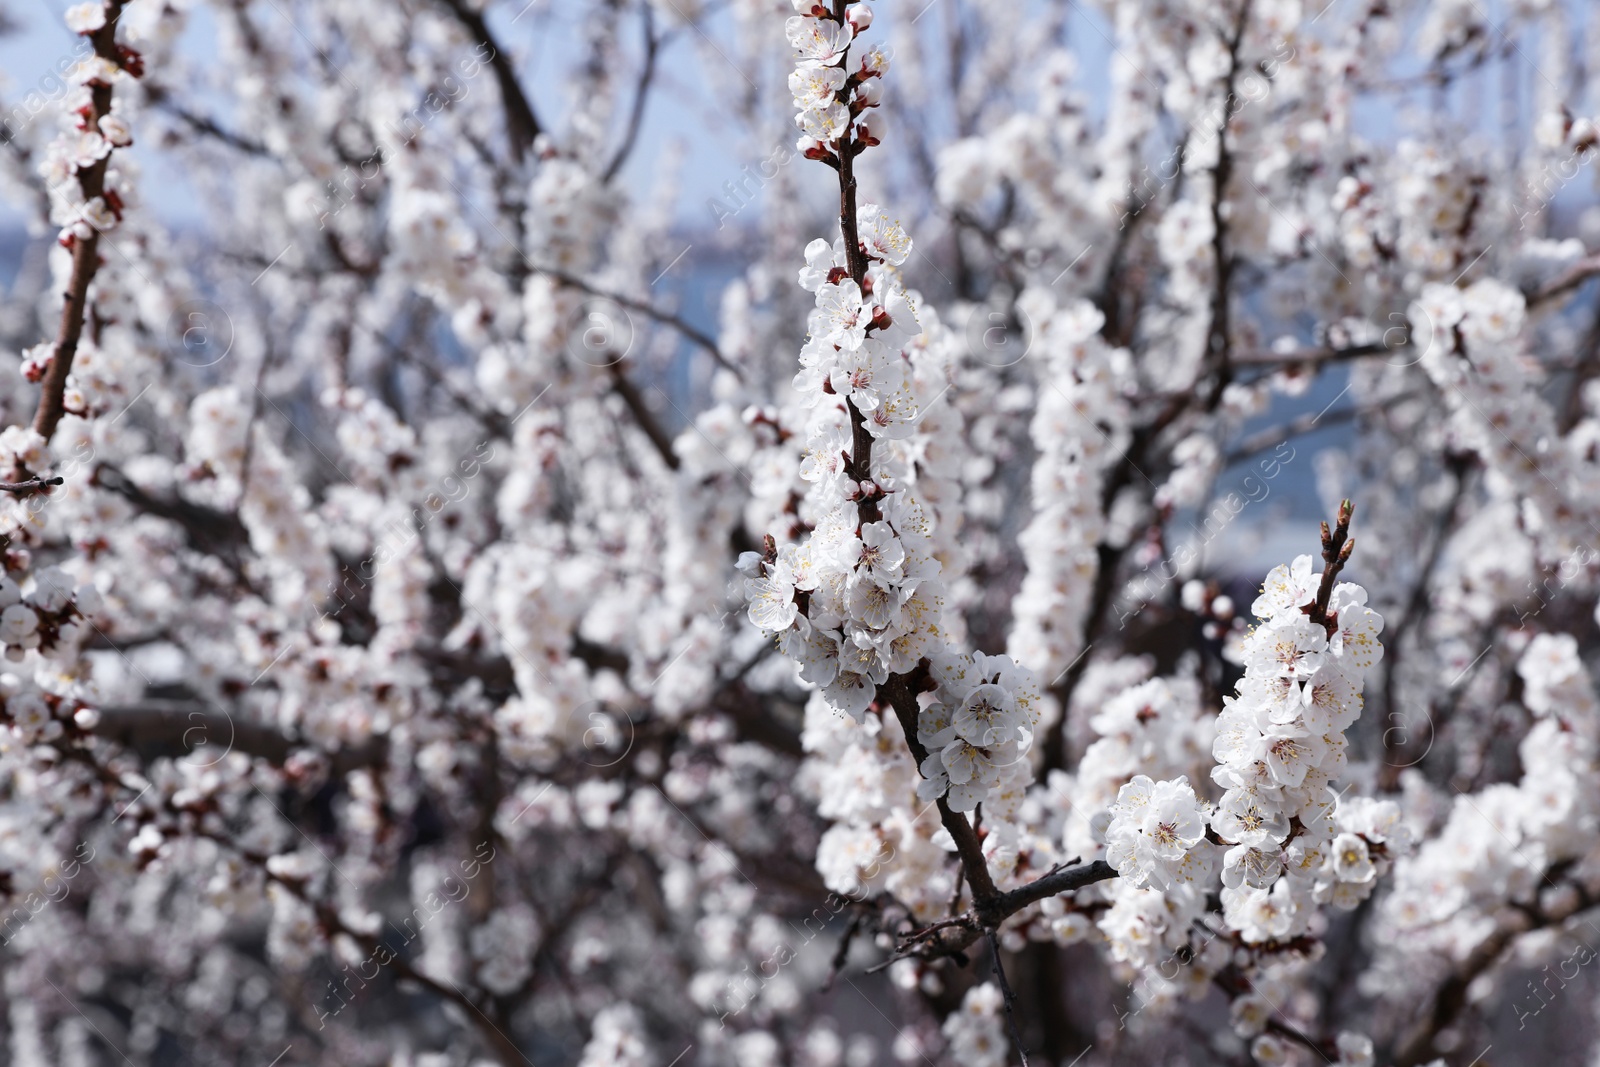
pixel 1498 845
pixel 618 1040
pixel 1156 836
pixel 1283 840
pixel 978 724
pixel 503 947
pixel 1422 223
pixel 1141 725
pixel 98 128
pixel 827 97
pixel 530 608
pixel 858 335
pixel 976 1032
pixel 861 599
pixel 273 504
pixel 1280 745
pixel 1473 346
pixel 1080 427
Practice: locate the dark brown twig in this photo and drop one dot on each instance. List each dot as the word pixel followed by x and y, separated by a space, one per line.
pixel 841 953
pixel 30 486
pixel 1565 282
pixel 652 48
pixel 522 125
pixel 1009 997
pixel 1219 332
pixel 666 318
pixel 642 415
pixel 1336 549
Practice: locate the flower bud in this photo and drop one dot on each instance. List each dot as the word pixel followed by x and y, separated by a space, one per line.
pixel 812 148
pixel 115 130
pixel 859 16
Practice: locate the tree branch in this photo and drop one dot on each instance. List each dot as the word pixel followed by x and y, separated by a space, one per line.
pixel 652 47
pixel 666 318
pixel 624 387
pixel 1219 339
pixel 522 125
pixel 85 250
pixel 1009 998
pixel 30 486
pixel 1563 283
pixel 1336 549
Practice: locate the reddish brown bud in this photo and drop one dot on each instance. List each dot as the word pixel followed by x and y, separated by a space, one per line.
pixel 130 61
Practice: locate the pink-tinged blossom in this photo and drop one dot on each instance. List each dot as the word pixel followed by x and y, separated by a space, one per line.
pixel 841 318
pixel 817 42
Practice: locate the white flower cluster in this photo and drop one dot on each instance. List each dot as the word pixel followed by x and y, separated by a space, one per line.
pixel 1152 726
pixel 96 130
pixel 1156 837
pixel 531 607
pixel 1290 843
pixel 1497 845
pixel 502 947
pixel 1147 729
pixel 1473 348
pixel 276 508
pixel 872 600
pixel 858 334
pixel 860 601
pixel 976 1033
pixel 1280 744
pixel 1079 428
pixel 1416 212
pixel 827 98
pixel 979 723
pixel 618 1039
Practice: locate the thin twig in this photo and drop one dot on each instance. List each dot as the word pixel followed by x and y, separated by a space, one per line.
pixel 1010 998
pixel 642 415
pixel 1273 436
pixel 666 318
pixel 841 953
pixel 1302 356
pixel 1219 331
pixel 161 97
pixel 1568 280
pixel 652 47
pixel 32 485
pixel 1336 549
